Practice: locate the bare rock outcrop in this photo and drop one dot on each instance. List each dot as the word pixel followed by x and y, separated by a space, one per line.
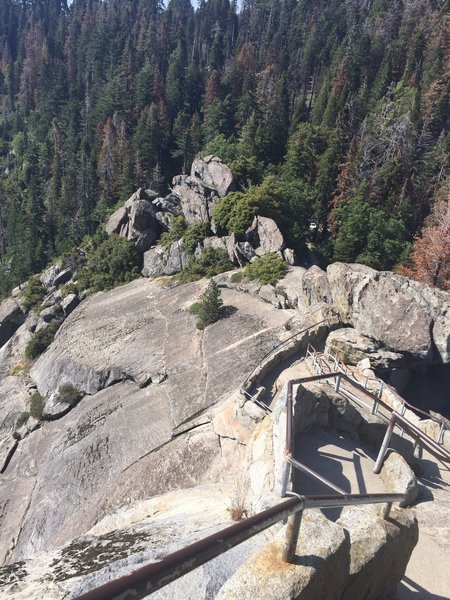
pixel 315 286
pixel 144 217
pixel 14 401
pixel 12 353
pixel 321 571
pixel 146 425
pixel 214 173
pixel 227 243
pixel 11 317
pixel 78 464
pixel 396 314
pixel 196 198
pixel 137 220
pixel 162 260
pixel 265 236
pixel 136 534
pixel 351 347
pixel 379 552
pixel 403 315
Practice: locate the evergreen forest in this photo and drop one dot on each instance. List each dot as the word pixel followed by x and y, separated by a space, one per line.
pixel 337 110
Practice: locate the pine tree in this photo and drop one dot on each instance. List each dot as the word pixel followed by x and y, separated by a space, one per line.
pixel 208 309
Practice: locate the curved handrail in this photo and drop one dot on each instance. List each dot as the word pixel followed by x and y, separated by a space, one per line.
pixel 434 446
pixel 441 420
pixel 153 576
pixel 273 351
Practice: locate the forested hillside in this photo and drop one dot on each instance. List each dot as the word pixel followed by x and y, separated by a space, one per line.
pixel 338 107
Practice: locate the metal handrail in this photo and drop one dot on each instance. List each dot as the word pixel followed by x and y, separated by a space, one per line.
pixel 308 471
pixel 276 349
pixel 148 579
pixel 433 446
pixel 341 365
pixel 153 576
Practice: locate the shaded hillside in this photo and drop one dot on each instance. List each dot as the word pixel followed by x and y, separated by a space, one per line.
pixel 346 102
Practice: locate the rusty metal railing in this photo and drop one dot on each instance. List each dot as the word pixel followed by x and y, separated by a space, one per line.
pixel 395 417
pixel 265 359
pixel 341 366
pixel 150 578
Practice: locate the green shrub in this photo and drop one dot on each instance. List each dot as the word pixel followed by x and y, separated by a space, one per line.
pixel 287 202
pixel 22 419
pixel 247 170
pixel 268 269
pixel 195 234
pixel 191 235
pixel 33 294
pixel 68 394
pixel 177 229
pixel 234 212
pixel 41 341
pixel 212 262
pixel 208 309
pixel 37 404
pixel 114 262
pixel 237 277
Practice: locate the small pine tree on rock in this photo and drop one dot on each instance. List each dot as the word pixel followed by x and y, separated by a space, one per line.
pixel 209 307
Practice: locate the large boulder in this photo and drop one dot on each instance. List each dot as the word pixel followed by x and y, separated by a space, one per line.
pixel 47 278
pixel 63 277
pixel 319 571
pixel 11 317
pixel 137 220
pixel 315 286
pixel 116 221
pixel 403 315
pixel 227 243
pixel 162 260
pixel 265 236
pixel 399 477
pixel 196 198
pixel 351 347
pixel 290 285
pixel 210 179
pixel 214 173
pixel 380 551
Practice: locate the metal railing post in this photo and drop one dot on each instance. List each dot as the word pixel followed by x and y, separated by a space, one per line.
pixel 338 383
pixel 292 533
pixel 285 480
pixel 373 410
pixel 441 433
pixel 384 445
pixel 386 510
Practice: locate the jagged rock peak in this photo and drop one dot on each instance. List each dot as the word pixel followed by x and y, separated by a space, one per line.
pixel 402 315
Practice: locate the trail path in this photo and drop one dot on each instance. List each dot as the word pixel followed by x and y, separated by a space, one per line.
pixel 349 464
pixel 428 574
